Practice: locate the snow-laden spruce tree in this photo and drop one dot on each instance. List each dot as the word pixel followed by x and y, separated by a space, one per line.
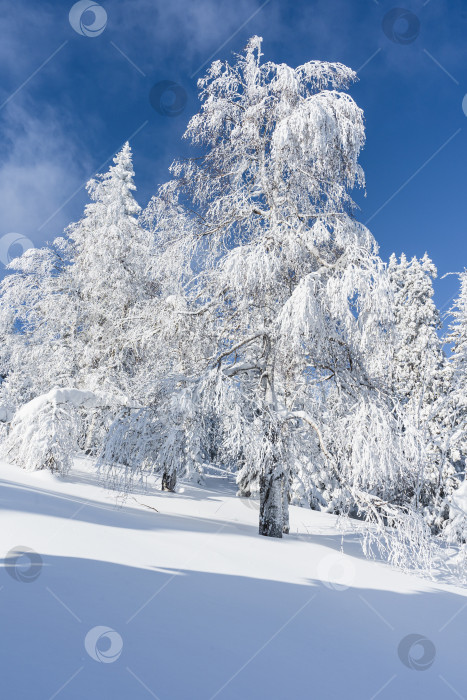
pixel 452 417
pixel 418 353
pixel 422 378
pixel 111 273
pixel 154 438
pixel 78 295
pixel 457 337
pixel 68 311
pixel 286 312
pixel 419 371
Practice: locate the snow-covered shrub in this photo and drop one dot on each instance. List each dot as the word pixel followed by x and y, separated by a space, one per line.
pixel 44 431
pixel 401 536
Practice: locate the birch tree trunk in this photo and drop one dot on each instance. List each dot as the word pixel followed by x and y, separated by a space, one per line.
pixel 169 479
pixel 273 509
pixel 271 516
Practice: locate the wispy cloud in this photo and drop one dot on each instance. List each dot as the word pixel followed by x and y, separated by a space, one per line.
pixel 39 165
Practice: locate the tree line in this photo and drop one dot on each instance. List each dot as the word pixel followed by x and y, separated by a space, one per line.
pixel 245 320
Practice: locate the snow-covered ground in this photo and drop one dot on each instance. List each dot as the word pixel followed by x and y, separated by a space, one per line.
pixel 192 604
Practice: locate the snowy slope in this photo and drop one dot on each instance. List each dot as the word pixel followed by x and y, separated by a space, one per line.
pixel 193 604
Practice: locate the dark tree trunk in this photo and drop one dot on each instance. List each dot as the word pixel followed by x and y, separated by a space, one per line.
pixel 90 447
pixel 271 517
pixel 169 480
pixel 273 508
pixel 285 505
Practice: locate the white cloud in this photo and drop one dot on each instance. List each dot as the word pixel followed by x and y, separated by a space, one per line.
pixel 39 169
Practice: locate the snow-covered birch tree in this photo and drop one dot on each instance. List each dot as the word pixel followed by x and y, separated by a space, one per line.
pixel 290 301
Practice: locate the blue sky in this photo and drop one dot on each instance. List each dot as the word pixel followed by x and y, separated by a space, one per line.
pixel 63 121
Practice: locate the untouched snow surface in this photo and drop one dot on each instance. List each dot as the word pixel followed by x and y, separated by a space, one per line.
pixel 188 603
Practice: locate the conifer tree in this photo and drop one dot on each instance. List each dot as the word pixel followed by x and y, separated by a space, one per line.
pixel 111 273
pixel 422 382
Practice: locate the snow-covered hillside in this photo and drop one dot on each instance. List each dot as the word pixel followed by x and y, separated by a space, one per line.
pixel 192 604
